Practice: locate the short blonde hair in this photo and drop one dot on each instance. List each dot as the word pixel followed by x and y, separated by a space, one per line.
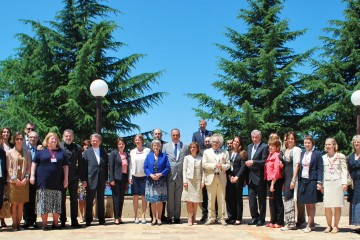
pixel 51 134
pixel 355 138
pixel 333 141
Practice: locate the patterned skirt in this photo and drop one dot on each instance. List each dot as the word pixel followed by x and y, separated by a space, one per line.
pixel 48 201
pixel 355 214
pixel 155 191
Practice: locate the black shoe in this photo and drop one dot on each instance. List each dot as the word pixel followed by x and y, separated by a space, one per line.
pixel 45 228
pixel 260 223
pixel 26 225
pixel 102 223
pixel 204 218
pixel 163 219
pixel 177 221
pixel 54 227
pixel 169 221
pixel 87 224
pixel 62 225
pixel 154 223
pixel 76 225
pixel 253 222
pixel 35 226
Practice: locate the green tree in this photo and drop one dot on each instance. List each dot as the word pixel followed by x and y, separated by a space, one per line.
pixel 328 111
pixel 259 81
pixel 48 80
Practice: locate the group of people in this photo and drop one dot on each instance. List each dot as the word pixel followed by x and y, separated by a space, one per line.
pixel 164 174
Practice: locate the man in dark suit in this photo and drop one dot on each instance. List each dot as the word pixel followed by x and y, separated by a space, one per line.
pixel 74 156
pixel 30 127
pixel 257 155
pixel 94 176
pixel 29 207
pixel 201 134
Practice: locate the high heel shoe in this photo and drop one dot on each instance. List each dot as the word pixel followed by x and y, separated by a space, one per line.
pixel 154 223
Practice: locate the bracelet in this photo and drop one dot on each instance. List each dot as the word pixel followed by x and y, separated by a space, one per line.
pixel 293 181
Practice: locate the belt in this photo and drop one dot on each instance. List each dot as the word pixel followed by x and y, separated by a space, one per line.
pixel 217 173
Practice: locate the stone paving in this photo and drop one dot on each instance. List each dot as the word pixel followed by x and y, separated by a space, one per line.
pixel 129 230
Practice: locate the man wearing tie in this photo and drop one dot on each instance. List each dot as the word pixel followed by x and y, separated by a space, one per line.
pixel 215 163
pixel 29 207
pixel 94 176
pixel 200 135
pixel 257 155
pixel 175 151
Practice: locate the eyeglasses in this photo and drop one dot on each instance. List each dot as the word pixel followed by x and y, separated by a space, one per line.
pixel 19 139
pixel 31 129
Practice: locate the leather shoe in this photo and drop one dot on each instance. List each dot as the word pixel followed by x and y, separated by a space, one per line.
pixel 26 225
pixel 35 226
pixel 87 224
pixel 102 223
pixel 169 221
pixel 253 222
pixel 62 225
pixel 177 221
pixel 76 225
pixel 260 223
pixel 203 219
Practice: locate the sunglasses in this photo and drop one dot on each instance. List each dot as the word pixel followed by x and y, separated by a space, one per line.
pixel 31 129
pixel 19 139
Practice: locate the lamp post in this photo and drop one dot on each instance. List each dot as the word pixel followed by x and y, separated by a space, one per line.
pixel 355 99
pixel 98 89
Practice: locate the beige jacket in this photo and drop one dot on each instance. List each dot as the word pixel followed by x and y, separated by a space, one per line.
pixel 12 164
pixel 209 161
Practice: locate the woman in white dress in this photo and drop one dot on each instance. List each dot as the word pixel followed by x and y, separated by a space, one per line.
pixel 334 184
pixel 193 182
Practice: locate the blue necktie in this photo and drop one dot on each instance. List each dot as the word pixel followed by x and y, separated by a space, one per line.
pixel 175 150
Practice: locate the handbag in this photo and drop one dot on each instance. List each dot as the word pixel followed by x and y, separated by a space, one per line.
pixel 350 182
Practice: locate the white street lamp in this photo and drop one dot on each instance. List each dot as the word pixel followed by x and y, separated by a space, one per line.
pixel 98 89
pixel 355 99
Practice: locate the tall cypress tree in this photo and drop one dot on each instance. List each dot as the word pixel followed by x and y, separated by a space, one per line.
pixel 48 82
pixel 259 80
pixel 328 111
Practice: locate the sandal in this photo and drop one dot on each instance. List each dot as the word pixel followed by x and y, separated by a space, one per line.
pixel 328 229
pixel 335 230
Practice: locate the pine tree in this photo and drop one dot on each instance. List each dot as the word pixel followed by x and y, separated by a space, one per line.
pixel 328 111
pixel 259 81
pixel 48 83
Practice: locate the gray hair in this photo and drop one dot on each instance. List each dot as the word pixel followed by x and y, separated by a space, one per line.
pixel 355 138
pixel 155 142
pixel 254 132
pixel 96 135
pixel 219 137
pixel 68 131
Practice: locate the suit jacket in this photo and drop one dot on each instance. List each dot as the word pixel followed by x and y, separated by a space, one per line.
pixel 239 167
pixel 12 163
pixel 316 168
pixel 190 171
pixel 115 165
pixel 354 170
pixel 93 172
pixel 74 158
pixel 339 168
pixel 209 161
pixel 163 165
pixel 3 165
pixel 199 139
pixel 256 171
pixel 176 165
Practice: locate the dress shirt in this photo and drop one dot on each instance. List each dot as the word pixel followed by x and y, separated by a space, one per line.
pixel 97 154
pixel 254 150
pixel 306 164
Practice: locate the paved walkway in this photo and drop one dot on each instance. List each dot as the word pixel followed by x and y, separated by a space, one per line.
pixel 129 231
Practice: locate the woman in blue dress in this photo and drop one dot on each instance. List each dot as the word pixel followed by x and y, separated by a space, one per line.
pixel 156 168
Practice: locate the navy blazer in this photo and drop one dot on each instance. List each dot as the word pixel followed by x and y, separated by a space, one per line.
pixel 3 165
pixel 93 173
pixel 256 171
pixel 316 168
pixel 115 165
pixel 163 165
pixel 198 138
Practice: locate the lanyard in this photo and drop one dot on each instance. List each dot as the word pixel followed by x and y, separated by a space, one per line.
pixel 52 153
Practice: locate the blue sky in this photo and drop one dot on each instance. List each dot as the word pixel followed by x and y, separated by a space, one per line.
pixel 179 37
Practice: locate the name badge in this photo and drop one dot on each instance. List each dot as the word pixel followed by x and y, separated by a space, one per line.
pixel 331 171
pixel 53 160
pixel 19 167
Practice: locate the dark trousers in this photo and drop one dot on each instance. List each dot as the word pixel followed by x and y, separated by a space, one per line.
pixel 29 213
pixel 73 189
pixel 275 203
pixel 234 200
pixel 118 194
pixel 1 191
pixel 300 213
pixel 100 203
pixel 257 200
